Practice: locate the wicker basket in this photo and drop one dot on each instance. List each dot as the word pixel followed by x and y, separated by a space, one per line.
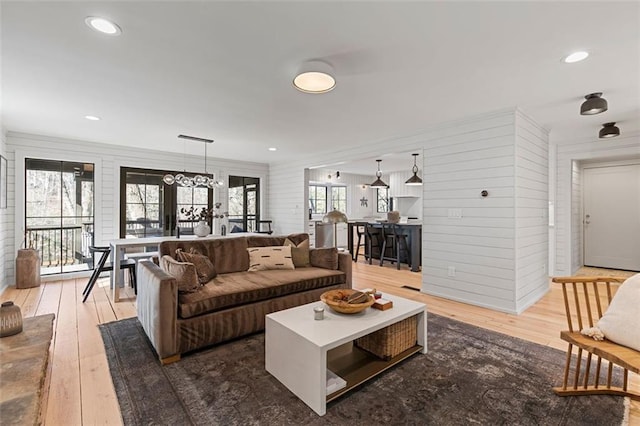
pixel 392 340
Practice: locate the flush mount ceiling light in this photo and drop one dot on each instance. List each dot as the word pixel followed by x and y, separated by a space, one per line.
pixel 206 180
pixel 415 179
pixel 594 104
pixel 315 77
pixel 103 25
pixel 378 182
pixel 92 118
pixel 273 149
pixel 609 130
pixel 576 57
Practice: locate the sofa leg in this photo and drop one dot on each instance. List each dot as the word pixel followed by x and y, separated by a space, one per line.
pixel 170 360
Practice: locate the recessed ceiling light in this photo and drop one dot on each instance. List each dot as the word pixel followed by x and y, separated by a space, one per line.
pixel 102 25
pixel 315 77
pixel 273 149
pixel 92 117
pixel 576 57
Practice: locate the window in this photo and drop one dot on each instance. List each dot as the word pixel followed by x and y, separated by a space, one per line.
pixel 382 200
pixel 151 208
pixel 339 198
pixel 244 203
pixel 318 199
pixel 59 197
pixel 320 203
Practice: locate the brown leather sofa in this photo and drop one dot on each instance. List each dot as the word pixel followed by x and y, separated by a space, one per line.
pixel 235 302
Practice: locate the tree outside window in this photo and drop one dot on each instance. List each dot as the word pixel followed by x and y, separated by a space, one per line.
pixel 318 199
pixel 382 200
pixel 339 198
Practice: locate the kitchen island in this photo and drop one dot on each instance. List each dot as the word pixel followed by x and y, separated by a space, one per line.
pixel 414 230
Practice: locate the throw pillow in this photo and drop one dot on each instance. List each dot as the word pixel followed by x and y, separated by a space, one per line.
pixel 299 252
pixel 264 258
pixel 184 273
pixel 621 322
pixel 205 269
pixel 324 258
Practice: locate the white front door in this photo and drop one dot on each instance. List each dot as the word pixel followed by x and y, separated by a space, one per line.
pixel 612 217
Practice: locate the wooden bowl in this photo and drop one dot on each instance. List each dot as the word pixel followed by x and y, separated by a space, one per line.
pixel 342 306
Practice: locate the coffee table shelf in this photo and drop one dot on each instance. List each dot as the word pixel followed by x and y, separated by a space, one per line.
pixel 299 349
pixel 357 366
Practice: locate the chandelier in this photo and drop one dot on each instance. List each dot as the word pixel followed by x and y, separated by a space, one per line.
pixel 205 180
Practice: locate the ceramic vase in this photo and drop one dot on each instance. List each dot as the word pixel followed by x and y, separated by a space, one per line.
pixel 202 229
pixel 10 319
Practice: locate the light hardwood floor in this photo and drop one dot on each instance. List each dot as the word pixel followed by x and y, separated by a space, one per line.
pixel 79 388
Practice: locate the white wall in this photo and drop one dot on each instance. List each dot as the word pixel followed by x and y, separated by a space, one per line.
pixel 107 159
pixel 568 224
pixel 6 227
pixel 532 207
pixel 461 159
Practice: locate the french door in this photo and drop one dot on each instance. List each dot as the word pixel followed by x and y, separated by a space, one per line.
pixel 244 203
pixel 59 213
pixel 151 208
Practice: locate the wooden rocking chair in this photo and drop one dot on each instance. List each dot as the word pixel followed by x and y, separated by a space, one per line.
pixel 585 301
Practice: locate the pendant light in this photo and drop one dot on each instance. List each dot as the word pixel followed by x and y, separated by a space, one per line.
pixel 594 104
pixel 609 130
pixel 415 179
pixel 205 180
pixel 378 182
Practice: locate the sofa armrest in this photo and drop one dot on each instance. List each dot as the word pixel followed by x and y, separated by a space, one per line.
pixel 157 305
pixel 345 263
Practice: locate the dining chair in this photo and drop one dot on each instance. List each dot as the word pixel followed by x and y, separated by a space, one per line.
pixel 104 266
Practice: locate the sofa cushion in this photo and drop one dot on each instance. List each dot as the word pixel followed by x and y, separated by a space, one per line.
pixel 229 254
pixel 324 258
pixel 170 247
pixel 240 288
pixel 204 268
pixel 265 258
pixel 184 273
pixel 299 252
pixel 264 241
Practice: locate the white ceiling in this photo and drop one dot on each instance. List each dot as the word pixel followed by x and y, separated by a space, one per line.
pixel 223 70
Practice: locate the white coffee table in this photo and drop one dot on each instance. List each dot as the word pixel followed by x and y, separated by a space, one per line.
pixel 299 349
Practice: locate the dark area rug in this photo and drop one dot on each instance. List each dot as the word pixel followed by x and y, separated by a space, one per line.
pixel 469 376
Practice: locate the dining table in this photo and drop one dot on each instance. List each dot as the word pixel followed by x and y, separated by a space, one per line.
pixel 120 245
pixel 414 230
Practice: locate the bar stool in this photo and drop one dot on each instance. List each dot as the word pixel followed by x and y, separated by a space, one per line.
pixel 104 266
pixel 361 243
pixel 373 239
pixel 392 235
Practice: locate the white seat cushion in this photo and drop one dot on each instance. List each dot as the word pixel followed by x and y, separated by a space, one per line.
pixel 621 322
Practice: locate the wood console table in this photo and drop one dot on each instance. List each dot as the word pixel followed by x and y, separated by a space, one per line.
pixel 23 366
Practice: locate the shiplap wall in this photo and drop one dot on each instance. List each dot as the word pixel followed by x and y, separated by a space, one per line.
pixel 532 207
pixel 480 245
pixel 288 199
pixel 460 159
pixel 107 159
pixel 568 224
pixel 6 228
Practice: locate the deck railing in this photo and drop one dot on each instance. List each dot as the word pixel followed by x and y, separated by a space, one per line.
pixel 60 246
